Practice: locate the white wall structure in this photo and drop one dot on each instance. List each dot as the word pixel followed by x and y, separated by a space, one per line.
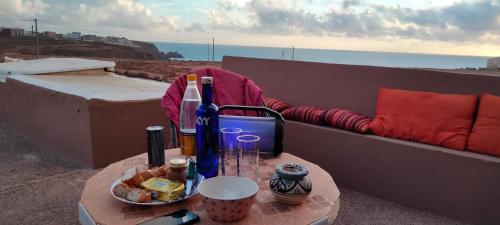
pixel 493 63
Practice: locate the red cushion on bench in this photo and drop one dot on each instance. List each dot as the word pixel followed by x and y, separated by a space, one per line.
pixel 276 104
pixel 427 117
pixel 485 135
pixel 347 120
pixel 308 114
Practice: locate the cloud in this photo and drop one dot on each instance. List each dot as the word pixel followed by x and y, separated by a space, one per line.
pixel 120 14
pixel 458 22
pixel 476 21
pixel 229 15
pixel 272 17
pixel 348 3
pixel 227 5
pixel 19 9
pixel 128 14
pixel 194 27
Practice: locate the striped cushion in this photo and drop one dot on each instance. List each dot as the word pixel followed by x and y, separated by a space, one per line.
pixel 276 104
pixel 306 114
pixel 347 120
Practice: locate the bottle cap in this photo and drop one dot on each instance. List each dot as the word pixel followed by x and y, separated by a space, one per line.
pixel 206 80
pixel 154 128
pixel 191 77
pixel 178 163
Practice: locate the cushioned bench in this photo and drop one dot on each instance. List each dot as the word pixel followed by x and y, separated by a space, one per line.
pixel 458 184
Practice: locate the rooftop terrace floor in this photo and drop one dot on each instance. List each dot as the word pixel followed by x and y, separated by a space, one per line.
pixel 37 187
pixel 111 87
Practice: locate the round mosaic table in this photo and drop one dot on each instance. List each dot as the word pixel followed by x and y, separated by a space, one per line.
pixel 97 206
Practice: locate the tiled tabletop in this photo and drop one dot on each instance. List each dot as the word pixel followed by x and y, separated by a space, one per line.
pixel 322 205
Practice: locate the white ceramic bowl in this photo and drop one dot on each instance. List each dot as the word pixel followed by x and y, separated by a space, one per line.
pixel 228 198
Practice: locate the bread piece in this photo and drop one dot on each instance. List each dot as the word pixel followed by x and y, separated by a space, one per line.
pixel 156 172
pixel 139 195
pixel 130 173
pixel 121 190
pixel 164 169
pixel 135 180
pixel 148 197
pixel 146 175
pixel 130 182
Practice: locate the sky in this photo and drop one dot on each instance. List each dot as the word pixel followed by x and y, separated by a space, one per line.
pixel 455 27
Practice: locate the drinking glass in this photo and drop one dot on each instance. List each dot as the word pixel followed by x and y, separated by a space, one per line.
pixel 248 146
pixel 229 155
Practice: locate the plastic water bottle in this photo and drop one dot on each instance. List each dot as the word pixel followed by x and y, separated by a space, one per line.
pixel 187 120
pixel 207 132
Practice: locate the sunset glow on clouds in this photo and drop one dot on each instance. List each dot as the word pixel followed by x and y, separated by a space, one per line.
pixel 445 27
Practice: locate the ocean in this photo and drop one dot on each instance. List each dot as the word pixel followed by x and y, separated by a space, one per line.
pixel 389 59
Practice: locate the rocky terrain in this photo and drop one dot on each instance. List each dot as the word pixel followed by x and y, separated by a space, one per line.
pixel 78 48
pixel 158 70
pixel 141 60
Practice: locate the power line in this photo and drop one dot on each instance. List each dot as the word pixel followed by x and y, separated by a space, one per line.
pixel 17 20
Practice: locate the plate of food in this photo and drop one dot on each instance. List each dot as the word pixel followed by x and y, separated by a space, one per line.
pixel 153 187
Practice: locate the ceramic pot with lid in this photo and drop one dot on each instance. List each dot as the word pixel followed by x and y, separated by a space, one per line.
pixel 291 185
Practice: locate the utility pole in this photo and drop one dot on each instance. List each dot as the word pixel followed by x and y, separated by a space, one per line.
pixel 33 38
pixel 213 49
pixel 208 52
pixel 293 51
pixel 36 31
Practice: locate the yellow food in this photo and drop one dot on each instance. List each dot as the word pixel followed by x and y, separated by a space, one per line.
pixel 167 190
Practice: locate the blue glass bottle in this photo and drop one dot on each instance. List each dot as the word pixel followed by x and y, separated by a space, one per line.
pixel 207 132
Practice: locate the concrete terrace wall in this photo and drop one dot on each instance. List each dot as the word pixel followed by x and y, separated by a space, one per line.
pixel 118 128
pixel 59 120
pixel 458 184
pixel 92 132
pixel 349 86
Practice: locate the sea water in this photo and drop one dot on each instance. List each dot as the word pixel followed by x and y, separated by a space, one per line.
pixel 389 59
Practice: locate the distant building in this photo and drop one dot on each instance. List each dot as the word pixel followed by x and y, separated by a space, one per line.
pixel 89 37
pixel 493 63
pixel 100 39
pixel 12 32
pixel 112 39
pixel 124 41
pixel 28 33
pixel 73 35
pixel 49 34
pixel 117 40
pixel 59 36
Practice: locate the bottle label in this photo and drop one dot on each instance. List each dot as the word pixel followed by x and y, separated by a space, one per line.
pixel 203 121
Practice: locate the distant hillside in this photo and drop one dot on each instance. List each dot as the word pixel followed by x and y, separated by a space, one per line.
pixel 140 50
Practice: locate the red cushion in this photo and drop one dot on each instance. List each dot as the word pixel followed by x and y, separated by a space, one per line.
pixel 485 135
pixel 276 104
pixel 347 120
pixel 427 117
pixel 308 114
